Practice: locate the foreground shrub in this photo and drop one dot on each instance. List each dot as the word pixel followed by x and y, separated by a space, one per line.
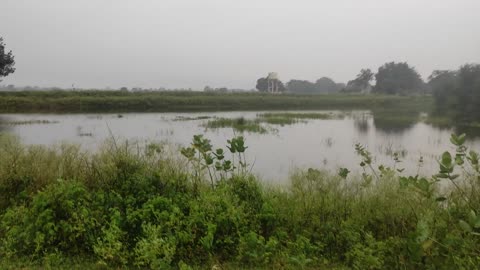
pixel 59 218
pixel 129 208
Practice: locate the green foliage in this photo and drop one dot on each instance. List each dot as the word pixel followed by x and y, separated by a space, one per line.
pixel 238 124
pixel 367 254
pixel 6 61
pixel 397 78
pixel 125 208
pixel 262 85
pixel 361 83
pixel 323 85
pixel 59 218
pixel 457 94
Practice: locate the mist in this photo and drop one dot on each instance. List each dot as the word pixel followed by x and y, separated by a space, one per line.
pixel 191 44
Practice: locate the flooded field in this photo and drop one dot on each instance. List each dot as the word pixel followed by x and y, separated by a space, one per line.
pixel 278 142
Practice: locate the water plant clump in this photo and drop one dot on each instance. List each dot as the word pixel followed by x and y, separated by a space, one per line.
pixel 240 124
pixel 126 207
pixel 300 115
pixel 30 122
pixel 188 118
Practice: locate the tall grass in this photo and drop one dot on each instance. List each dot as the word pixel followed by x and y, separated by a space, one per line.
pixel 118 101
pixel 141 206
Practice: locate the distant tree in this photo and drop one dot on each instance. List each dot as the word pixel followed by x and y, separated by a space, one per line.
pixel 325 85
pixel 262 85
pixel 301 87
pixel 124 89
pixel 361 83
pixel 443 84
pixel 6 61
pixel 468 93
pixel 341 86
pixel 457 93
pixel 397 78
pixel 208 89
pixel 321 86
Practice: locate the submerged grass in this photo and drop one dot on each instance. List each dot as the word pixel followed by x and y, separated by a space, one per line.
pixel 297 115
pixel 240 124
pixel 188 118
pixel 30 122
pixel 143 207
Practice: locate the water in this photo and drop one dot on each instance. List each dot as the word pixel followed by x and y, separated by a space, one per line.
pixel 324 144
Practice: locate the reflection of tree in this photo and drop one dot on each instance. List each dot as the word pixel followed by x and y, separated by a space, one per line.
pixel 471 131
pixel 3 126
pixel 394 122
pixel 361 124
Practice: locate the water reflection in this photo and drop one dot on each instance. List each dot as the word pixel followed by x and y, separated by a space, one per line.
pixel 3 124
pixel 362 123
pixel 393 122
pixel 318 143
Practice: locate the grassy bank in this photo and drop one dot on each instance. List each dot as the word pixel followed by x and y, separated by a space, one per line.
pixel 147 207
pixel 168 101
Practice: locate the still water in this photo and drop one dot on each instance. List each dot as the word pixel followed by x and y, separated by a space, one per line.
pixel 324 144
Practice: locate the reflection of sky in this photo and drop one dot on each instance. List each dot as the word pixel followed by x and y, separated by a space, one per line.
pixel 327 144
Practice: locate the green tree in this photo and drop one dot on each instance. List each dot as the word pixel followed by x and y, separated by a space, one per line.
pixel 468 93
pixel 397 78
pixel 6 61
pixel 443 83
pixel 361 82
pixel 325 85
pixel 262 85
pixel 457 93
pixel 301 87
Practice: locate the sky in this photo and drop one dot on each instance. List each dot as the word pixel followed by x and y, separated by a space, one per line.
pixel 230 43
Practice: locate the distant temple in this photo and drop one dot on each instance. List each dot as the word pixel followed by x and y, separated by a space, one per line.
pixel 273 83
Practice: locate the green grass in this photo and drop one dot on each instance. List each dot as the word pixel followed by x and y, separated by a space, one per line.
pixel 29 122
pixel 291 115
pixel 239 124
pixel 171 101
pixel 187 118
pixel 132 206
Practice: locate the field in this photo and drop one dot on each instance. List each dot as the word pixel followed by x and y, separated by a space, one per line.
pixel 157 207
pixel 176 101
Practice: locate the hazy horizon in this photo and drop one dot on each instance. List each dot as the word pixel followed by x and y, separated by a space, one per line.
pixel 226 43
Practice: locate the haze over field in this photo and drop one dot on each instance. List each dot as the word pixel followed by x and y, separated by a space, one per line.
pixel 190 44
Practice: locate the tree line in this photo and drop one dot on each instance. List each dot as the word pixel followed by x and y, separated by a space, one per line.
pixel 391 78
pixel 457 93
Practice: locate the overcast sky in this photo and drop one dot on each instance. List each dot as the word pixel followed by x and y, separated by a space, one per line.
pixel 194 43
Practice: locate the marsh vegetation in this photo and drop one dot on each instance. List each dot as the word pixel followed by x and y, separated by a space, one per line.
pixel 133 205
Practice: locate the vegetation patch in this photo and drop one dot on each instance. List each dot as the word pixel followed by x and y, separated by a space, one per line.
pixel 30 122
pixel 301 115
pixel 127 208
pixel 239 124
pixel 188 118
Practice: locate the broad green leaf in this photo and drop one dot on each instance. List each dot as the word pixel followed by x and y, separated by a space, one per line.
pixel 461 139
pixel 446 159
pixel 472 217
pixel 477 223
pixel 465 226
